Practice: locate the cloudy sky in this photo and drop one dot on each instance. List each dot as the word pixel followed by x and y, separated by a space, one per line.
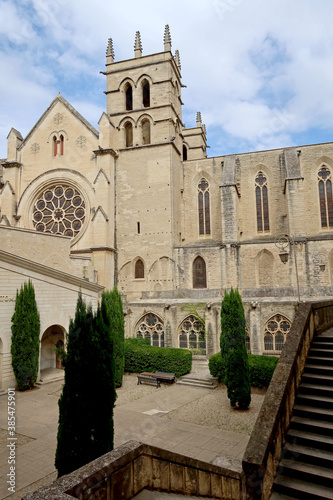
pixel 260 71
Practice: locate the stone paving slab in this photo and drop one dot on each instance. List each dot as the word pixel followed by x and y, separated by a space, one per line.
pixel 37 418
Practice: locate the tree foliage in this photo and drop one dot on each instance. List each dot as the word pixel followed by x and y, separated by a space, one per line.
pixel 117 331
pixel 25 337
pixel 233 350
pixel 86 404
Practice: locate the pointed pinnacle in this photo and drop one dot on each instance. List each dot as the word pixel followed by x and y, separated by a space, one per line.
pixel 137 45
pixel 167 39
pixel 198 119
pixel 109 50
pixel 177 59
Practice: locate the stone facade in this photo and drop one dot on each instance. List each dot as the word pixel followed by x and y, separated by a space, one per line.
pixel 145 208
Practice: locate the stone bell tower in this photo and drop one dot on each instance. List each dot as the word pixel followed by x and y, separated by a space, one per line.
pixel 143 124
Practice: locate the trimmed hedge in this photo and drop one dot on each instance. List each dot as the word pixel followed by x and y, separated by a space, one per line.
pixel 142 357
pixel 261 368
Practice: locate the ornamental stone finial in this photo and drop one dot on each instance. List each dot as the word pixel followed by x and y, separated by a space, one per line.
pixel 167 39
pixel 177 59
pixel 138 45
pixel 198 119
pixel 110 52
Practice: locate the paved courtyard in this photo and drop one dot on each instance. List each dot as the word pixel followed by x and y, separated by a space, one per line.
pixel 142 413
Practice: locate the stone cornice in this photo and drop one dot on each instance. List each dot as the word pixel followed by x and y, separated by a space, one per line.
pixel 15 260
pixel 105 151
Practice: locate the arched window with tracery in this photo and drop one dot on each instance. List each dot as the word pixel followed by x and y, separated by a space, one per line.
pixel 199 273
pixel 151 327
pixel 204 207
pixel 61 145
pixel 128 134
pixel 139 269
pixel 145 94
pixel 191 334
pixel 55 146
pixel 145 131
pixel 276 331
pixel 262 203
pixel 129 97
pixel 325 197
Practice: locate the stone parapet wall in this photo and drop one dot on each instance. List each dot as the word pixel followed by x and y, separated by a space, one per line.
pixel 263 452
pixel 125 471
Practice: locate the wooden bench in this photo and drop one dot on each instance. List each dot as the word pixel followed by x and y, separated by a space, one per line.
pixel 156 378
pixel 148 379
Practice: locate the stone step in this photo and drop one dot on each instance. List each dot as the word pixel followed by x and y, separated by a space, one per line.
pixel 318 369
pixel 309 425
pixel 320 352
pixel 308 455
pixel 310 439
pixel 49 380
pixel 313 412
pixel 297 488
pixel 322 345
pixel 317 378
pixel 316 389
pixel 323 338
pixel 198 382
pixel 310 472
pixel 312 359
pixel 314 400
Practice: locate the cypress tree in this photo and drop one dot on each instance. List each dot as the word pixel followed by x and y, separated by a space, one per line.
pixel 117 331
pixel 85 433
pixel 25 337
pixel 233 350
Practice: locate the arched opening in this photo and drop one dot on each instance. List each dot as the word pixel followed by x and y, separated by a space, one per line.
pixel 265 261
pixel 204 207
pixel 145 131
pixel 128 135
pixel 52 337
pixel 145 94
pixel 139 269
pixel 184 152
pixel 61 145
pixel 275 335
pixel 151 327
pixel 55 146
pixel 325 197
pixel 199 273
pixel 129 97
pixel 191 335
pixel 261 190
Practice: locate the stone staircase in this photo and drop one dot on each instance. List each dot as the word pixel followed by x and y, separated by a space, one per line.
pixel 197 381
pixel 306 467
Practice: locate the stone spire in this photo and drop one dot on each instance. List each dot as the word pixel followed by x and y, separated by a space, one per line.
pixel 177 59
pixel 109 52
pixel 138 45
pixel 198 119
pixel 167 39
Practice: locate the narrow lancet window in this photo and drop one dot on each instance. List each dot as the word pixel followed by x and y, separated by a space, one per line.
pixel 139 269
pixel 129 98
pixel 204 207
pixel 61 145
pixel 262 203
pixel 199 273
pixel 128 135
pixel 325 197
pixel 145 94
pixel 55 146
pixel 145 132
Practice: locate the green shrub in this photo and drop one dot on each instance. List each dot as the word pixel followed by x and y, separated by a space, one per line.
pixel 115 312
pixel 261 368
pixel 141 357
pixel 137 341
pixel 233 350
pixel 25 337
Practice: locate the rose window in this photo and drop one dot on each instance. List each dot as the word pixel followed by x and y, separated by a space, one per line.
pixel 59 210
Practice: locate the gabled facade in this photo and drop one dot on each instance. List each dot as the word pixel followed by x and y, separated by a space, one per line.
pixel 141 201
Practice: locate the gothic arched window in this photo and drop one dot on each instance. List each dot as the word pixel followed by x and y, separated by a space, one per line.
pixel 139 269
pixel 325 197
pixel 276 330
pixel 262 203
pixel 61 145
pixel 151 327
pixel 145 94
pixel 55 146
pixel 128 134
pixel 129 97
pixel 199 273
pixel 145 131
pixel 192 334
pixel 203 206
pixel 184 152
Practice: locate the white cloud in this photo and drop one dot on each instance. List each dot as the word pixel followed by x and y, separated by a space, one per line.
pixel 260 72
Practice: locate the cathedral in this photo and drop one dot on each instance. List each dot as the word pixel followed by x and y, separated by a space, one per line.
pixel 139 204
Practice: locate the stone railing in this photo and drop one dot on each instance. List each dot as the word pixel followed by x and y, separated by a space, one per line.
pixel 125 471
pixel 263 452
